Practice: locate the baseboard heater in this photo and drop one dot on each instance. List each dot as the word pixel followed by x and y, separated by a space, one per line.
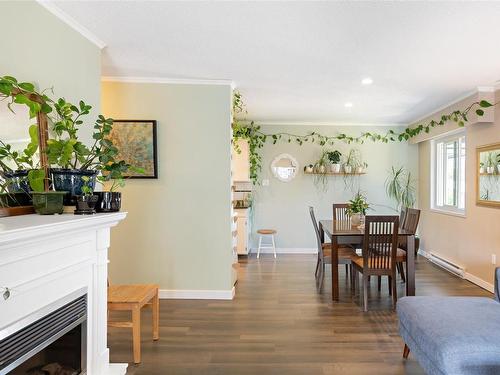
pixel 447 265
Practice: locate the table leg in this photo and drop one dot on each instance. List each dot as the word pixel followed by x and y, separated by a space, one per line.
pixel 410 266
pixel 335 270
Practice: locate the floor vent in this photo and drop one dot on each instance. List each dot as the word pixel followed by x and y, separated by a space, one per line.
pixel 447 265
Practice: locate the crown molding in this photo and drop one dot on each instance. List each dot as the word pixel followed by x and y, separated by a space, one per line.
pixel 179 81
pixel 324 123
pixel 71 22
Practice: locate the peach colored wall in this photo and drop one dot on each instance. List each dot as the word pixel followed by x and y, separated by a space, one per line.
pixel 469 241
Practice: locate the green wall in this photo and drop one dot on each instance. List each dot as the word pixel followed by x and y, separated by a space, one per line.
pixel 178 229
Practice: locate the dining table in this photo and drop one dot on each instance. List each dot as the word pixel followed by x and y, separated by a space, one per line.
pixel 342 232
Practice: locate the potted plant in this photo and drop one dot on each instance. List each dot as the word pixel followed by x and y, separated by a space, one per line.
pixel 85 203
pixel 362 168
pixel 320 165
pixel 490 163
pixel 44 202
pixel 15 165
pixel 399 186
pixel 352 161
pixel 481 168
pixel 334 158
pixel 309 168
pixel 357 208
pixel 73 159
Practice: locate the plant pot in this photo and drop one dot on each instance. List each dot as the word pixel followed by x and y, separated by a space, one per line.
pixel 347 169
pixel 335 168
pixel 15 200
pixel 85 204
pixel 360 169
pixel 49 202
pixel 108 201
pixel 308 169
pixel 321 169
pixel 17 181
pixel 71 182
pixel 481 170
pixel 356 219
pixel 490 170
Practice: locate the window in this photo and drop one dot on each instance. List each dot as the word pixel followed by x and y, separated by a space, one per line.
pixel 448 165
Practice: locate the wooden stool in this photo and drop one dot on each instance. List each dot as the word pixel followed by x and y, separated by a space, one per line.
pixel 133 298
pixel 266 232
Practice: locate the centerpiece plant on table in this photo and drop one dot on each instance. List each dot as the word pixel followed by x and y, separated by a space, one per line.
pixel 357 208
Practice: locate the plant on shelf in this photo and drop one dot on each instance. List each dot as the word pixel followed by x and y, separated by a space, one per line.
pixel 85 203
pixel 45 202
pixel 334 158
pixel 357 208
pixel 400 187
pixel 309 168
pixel 352 161
pixel 321 172
pixel 481 167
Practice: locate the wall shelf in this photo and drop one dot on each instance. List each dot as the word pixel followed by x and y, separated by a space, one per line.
pixel 336 174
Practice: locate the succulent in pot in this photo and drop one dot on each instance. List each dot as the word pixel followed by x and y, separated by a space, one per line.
pixel 309 168
pixel 45 202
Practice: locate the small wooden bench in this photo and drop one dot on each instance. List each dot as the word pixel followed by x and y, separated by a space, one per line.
pixel 133 298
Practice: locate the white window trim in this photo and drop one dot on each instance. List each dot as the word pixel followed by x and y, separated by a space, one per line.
pixel 447 210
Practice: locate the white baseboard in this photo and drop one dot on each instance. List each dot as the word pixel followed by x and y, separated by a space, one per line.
pixel 117 369
pixel 196 294
pixel 467 276
pixel 288 250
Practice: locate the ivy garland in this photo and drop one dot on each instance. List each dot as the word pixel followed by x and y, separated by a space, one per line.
pixel 252 133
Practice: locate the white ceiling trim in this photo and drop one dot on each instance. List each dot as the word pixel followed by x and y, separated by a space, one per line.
pixel 180 81
pixel 70 21
pixel 325 123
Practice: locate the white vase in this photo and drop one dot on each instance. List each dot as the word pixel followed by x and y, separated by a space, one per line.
pixel 347 169
pixel 481 170
pixel 360 170
pixel 309 169
pixel 356 219
pixel 335 168
pixel 322 169
pixel 490 170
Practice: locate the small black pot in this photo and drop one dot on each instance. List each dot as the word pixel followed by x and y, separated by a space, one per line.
pixel 70 180
pixel 108 201
pixel 17 181
pixel 85 204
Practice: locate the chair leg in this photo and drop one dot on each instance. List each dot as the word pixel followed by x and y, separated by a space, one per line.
pixel 379 283
pixel 402 271
pixel 389 283
pixel 406 351
pixel 136 334
pixel 321 275
pixel 317 267
pixel 394 292
pixel 258 249
pixel 347 271
pixel 156 317
pixel 365 293
pixel 274 245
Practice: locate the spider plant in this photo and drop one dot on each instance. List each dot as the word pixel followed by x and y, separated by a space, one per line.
pixel 400 187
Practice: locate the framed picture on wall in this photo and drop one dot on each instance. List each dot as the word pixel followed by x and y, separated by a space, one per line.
pixel 136 143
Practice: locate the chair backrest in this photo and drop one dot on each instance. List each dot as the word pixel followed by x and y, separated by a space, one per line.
pixel 411 220
pixel 380 242
pixel 402 216
pixel 340 211
pixel 316 231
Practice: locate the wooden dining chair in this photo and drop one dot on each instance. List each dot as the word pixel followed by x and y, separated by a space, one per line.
pixel 340 213
pixel 345 254
pixel 134 298
pixel 380 244
pixel 412 217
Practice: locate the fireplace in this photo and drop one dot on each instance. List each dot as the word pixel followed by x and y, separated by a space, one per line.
pixel 53 343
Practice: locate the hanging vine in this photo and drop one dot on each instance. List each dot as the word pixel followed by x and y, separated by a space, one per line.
pixel 256 138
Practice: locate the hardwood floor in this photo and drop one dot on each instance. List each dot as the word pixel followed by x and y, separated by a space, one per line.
pixel 279 324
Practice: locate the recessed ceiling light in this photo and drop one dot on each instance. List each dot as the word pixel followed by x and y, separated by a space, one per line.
pixel 348 105
pixel 367 81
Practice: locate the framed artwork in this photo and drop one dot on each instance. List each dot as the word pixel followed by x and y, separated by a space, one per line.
pixel 136 143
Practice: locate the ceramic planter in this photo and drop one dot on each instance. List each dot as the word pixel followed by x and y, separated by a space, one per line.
pixel 70 181
pixel 85 204
pixel 490 170
pixel 481 170
pixel 347 169
pixel 360 169
pixel 335 168
pixel 49 202
pixel 108 201
pixel 308 169
pixel 17 181
pixel 15 200
pixel 356 219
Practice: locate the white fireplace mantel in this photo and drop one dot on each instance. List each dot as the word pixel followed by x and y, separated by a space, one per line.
pixel 44 259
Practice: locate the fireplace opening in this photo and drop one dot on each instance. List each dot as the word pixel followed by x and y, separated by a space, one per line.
pixel 52 345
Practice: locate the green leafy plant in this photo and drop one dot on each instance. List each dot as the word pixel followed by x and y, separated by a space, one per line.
pixel 400 187
pixel 491 159
pixel 334 156
pixel 257 138
pixel 358 205
pixel 86 188
pixel 36 178
pixel 20 160
pixel 114 172
pixel 23 93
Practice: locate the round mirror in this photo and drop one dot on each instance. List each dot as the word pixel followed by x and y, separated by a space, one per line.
pixel 284 167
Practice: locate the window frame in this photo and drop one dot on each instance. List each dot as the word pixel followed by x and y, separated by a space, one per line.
pixel 454 210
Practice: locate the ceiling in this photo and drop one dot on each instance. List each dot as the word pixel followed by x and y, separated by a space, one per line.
pixel 300 62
